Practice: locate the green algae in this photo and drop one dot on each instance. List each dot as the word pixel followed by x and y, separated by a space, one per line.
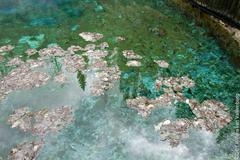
pixel 187 47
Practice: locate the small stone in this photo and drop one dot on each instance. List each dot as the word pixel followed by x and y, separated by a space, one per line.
pixel 74 48
pixel 133 63
pixel 130 54
pixel 92 37
pixel 162 64
pixel 60 78
pixel 120 38
pixel 6 48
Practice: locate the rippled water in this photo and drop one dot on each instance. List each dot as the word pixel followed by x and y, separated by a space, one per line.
pixel 104 127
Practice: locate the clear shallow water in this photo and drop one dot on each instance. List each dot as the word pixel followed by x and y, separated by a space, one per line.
pixel 104 127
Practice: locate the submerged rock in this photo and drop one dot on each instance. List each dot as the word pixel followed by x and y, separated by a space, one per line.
pixel 22 78
pixel 133 63
pixel 52 121
pixel 21 118
pixel 211 114
pixel 130 54
pixel 107 77
pixel 173 131
pixel 26 151
pixel 52 51
pixel 60 78
pixel 144 105
pixel 73 63
pixel 92 37
pixel 162 63
pixel 41 122
pixel 141 104
pixel 6 48
pixel 31 52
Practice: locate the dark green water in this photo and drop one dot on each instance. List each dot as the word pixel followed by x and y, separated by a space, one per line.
pixel 104 127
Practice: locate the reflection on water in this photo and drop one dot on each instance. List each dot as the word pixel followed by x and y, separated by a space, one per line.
pixel 104 127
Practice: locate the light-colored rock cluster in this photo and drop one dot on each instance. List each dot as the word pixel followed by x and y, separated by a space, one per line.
pixel 52 121
pixel 98 64
pixel 103 45
pixel 169 98
pixel 162 63
pixel 173 131
pixel 60 78
pixel 106 78
pixel 176 83
pixel 91 36
pixel 133 58
pixel 52 51
pixel 22 78
pixel 41 122
pixel 73 63
pixel 26 151
pixel 120 38
pixel 97 53
pixel 15 62
pixel 21 118
pixel 211 114
pixel 142 104
pixel 6 48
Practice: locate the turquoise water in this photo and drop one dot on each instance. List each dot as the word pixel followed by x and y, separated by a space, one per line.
pixel 104 127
